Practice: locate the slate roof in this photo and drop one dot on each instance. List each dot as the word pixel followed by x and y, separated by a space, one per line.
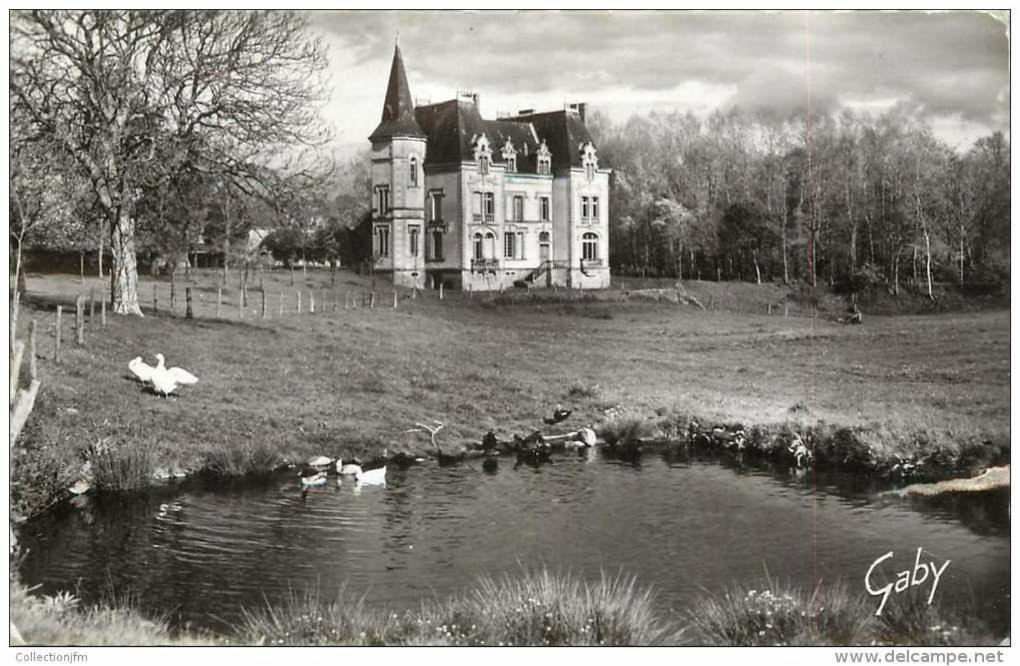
pixel 450 127
pixel 398 109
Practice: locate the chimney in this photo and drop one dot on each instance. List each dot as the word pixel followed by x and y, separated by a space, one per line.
pixel 581 108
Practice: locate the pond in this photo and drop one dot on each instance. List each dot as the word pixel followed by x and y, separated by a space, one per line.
pixel 202 551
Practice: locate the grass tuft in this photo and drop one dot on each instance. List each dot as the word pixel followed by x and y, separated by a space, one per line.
pixel 62 620
pixel 120 466
pixel 584 390
pixel 624 430
pixel 780 615
pixel 254 457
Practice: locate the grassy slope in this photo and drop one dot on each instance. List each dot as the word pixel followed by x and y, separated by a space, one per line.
pixel 349 383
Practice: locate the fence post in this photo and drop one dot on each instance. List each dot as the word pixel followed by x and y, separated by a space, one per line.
pixel 102 312
pixel 263 301
pixel 56 349
pixel 240 304
pixel 711 302
pixel 371 302
pixel 31 349
pixel 394 298
pixel 173 291
pixel 311 302
pixel 219 299
pixel 281 302
pixel 440 291
pixel 155 300
pixel 188 312
pixel 347 300
pixel 79 320
pixel 299 302
pixel 770 309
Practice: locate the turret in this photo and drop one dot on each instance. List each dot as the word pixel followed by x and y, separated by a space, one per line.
pixel 398 183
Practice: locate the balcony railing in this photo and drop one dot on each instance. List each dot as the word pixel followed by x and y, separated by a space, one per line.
pixel 482 265
pixel 592 263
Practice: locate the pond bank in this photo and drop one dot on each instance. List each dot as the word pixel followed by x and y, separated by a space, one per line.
pixel 535 608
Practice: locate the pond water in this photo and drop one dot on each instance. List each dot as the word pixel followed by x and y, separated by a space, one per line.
pixel 201 551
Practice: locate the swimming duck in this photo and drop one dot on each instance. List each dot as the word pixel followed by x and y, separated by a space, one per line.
pixel 322 462
pixel 311 477
pixel 373 477
pixel 350 469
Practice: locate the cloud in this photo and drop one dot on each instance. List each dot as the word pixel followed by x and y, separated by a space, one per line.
pixel 948 64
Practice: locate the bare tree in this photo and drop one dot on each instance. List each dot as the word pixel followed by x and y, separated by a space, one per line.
pixel 228 88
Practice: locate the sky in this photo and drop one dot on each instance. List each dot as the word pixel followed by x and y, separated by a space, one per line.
pixel 949 68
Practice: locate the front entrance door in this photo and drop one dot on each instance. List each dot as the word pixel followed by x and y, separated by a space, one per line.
pixel 543 257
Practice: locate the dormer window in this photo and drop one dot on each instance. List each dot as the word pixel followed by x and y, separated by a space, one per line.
pixel 483 154
pixel 589 160
pixel 510 156
pixel 544 158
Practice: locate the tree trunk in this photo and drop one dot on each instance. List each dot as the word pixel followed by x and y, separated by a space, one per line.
pixel 100 253
pixel 124 273
pixel 757 270
pixel 81 265
pixel 961 255
pixel 927 261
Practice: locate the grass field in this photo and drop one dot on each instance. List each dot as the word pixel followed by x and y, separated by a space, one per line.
pixel 349 382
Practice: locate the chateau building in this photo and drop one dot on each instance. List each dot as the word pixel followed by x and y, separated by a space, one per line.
pixel 481 204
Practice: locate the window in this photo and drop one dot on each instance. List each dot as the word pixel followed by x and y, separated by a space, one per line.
pixel 543 209
pixel 584 209
pixel 509 243
pixel 490 245
pixel 544 159
pixel 520 245
pixel 483 165
pixel 436 207
pixel 589 246
pixel 478 246
pixel 382 241
pixel 489 206
pixel 382 200
pixel 589 159
pixel 519 208
pixel 594 209
pixel 413 175
pixel 543 237
pixel 437 245
pixel 412 233
pixel 510 156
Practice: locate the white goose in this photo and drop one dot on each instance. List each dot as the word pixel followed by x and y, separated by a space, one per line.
pixel 373 477
pixel 140 369
pixel 166 380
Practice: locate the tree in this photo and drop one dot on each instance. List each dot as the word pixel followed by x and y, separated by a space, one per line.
pixel 226 89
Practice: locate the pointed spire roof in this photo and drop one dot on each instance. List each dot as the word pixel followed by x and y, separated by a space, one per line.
pixel 398 110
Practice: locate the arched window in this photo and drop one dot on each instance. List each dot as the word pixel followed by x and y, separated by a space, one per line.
pixel 589 246
pixel 413 172
pixel 490 245
pixel 483 153
pixel 543 237
pixel 478 246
